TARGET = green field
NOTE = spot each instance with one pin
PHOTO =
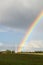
(21, 59)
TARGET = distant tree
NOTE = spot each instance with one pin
(38, 51)
(13, 52)
(1, 52)
(8, 52)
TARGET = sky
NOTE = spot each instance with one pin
(16, 17)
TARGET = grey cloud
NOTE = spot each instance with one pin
(19, 13)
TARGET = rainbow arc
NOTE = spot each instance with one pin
(29, 32)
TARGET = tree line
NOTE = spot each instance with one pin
(13, 52)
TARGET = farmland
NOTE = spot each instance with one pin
(21, 59)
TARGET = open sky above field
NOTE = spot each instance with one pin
(16, 17)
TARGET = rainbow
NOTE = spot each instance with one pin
(37, 20)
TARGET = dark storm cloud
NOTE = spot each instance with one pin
(19, 13)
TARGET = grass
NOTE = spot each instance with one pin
(21, 59)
